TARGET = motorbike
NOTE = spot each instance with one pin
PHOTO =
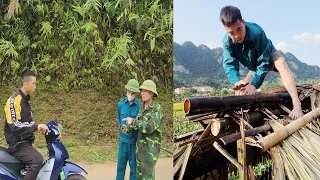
(55, 166)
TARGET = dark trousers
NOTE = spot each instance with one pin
(29, 156)
(127, 152)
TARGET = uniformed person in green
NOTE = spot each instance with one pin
(128, 107)
(149, 125)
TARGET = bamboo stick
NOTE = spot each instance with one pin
(251, 173)
(178, 165)
(235, 136)
(271, 114)
(228, 156)
(277, 163)
(199, 116)
(185, 162)
(180, 151)
(242, 152)
(274, 138)
(194, 106)
(203, 135)
(220, 125)
(203, 118)
(237, 119)
(187, 135)
(287, 110)
(188, 142)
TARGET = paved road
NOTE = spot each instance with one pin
(108, 170)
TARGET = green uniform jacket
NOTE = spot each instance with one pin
(149, 125)
(254, 54)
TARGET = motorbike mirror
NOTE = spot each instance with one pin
(47, 132)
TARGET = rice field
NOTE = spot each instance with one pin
(181, 124)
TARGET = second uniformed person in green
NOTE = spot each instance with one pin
(149, 125)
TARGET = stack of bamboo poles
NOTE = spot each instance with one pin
(298, 156)
(239, 121)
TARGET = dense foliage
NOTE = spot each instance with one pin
(73, 44)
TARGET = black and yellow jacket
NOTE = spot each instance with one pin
(19, 125)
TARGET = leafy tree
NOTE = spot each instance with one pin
(92, 43)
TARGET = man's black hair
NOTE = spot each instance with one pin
(229, 15)
(25, 75)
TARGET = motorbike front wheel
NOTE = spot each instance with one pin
(76, 177)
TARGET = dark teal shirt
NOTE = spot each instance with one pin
(253, 53)
(126, 110)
